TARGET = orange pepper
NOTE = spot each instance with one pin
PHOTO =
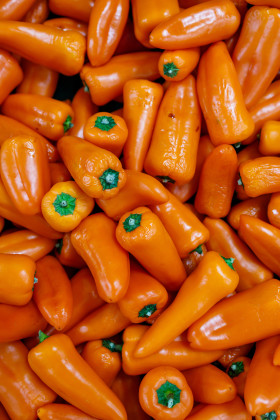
(186, 191)
(102, 323)
(276, 356)
(12, 128)
(11, 74)
(165, 394)
(59, 173)
(234, 410)
(272, 3)
(263, 239)
(53, 293)
(232, 41)
(27, 243)
(241, 5)
(67, 24)
(22, 392)
(145, 296)
(106, 25)
(270, 415)
(74, 381)
(262, 388)
(225, 241)
(230, 122)
(17, 322)
(60, 51)
(210, 385)
(270, 138)
(273, 210)
(238, 371)
(103, 356)
(76, 9)
(61, 412)
(25, 172)
(38, 12)
(97, 171)
(127, 389)
(198, 25)
(194, 258)
(16, 275)
(248, 316)
(83, 108)
(107, 131)
(3, 413)
(38, 80)
(257, 52)
(141, 102)
(103, 88)
(49, 117)
(94, 240)
(260, 176)
(178, 354)
(271, 92)
(141, 233)
(140, 190)
(217, 182)
(128, 42)
(11, 10)
(173, 150)
(65, 205)
(256, 207)
(66, 253)
(230, 354)
(213, 280)
(177, 65)
(147, 15)
(249, 152)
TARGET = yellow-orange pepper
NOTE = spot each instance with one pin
(176, 65)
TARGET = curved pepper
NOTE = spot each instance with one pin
(165, 394)
(97, 171)
(141, 233)
(230, 354)
(256, 207)
(194, 258)
(234, 409)
(61, 412)
(238, 370)
(177, 65)
(25, 172)
(38, 12)
(76, 9)
(173, 150)
(14, 10)
(198, 25)
(60, 51)
(217, 83)
(94, 239)
(273, 210)
(83, 109)
(49, 117)
(208, 284)
(67, 24)
(66, 253)
(141, 100)
(270, 138)
(59, 173)
(74, 381)
(11, 74)
(38, 80)
(103, 88)
(248, 316)
(261, 175)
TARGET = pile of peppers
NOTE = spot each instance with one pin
(139, 209)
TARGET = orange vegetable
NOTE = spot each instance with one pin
(270, 138)
(61, 412)
(234, 410)
(83, 108)
(176, 65)
(11, 74)
(38, 12)
(238, 370)
(59, 173)
(230, 354)
(256, 207)
(11, 10)
(194, 258)
(273, 210)
(66, 253)
(38, 80)
(67, 24)
(260, 176)
(77, 9)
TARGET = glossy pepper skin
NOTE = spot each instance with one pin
(230, 354)
(61, 412)
(257, 52)
(103, 88)
(65, 205)
(94, 239)
(11, 74)
(217, 182)
(106, 25)
(66, 253)
(145, 296)
(261, 394)
(16, 275)
(224, 240)
(238, 370)
(37, 80)
(49, 117)
(67, 24)
(76, 9)
(194, 258)
(147, 15)
(246, 317)
(234, 410)
(21, 391)
(174, 144)
(141, 99)
(107, 131)
(263, 239)
(83, 108)
(176, 65)
(141, 233)
(75, 381)
(178, 354)
(11, 10)
(165, 394)
(26, 242)
(273, 210)
(97, 171)
(256, 207)
(210, 385)
(25, 172)
(60, 51)
(103, 356)
(140, 190)
(198, 25)
(261, 175)
(59, 173)
(229, 122)
(212, 280)
(38, 12)
(270, 138)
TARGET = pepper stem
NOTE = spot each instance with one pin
(147, 311)
(67, 124)
(105, 123)
(109, 179)
(132, 222)
(42, 336)
(168, 394)
(64, 204)
(269, 416)
(229, 261)
(166, 179)
(198, 249)
(170, 70)
(240, 182)
(59, 245)
(113, 347)
(235, 369)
